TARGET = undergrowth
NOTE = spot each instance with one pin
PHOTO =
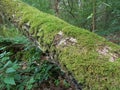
(21, 67)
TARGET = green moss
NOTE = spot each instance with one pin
(82, 59)
(92, 72)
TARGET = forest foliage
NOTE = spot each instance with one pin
(22, 61)
(99, 16)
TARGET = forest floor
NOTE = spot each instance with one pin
(57, 81)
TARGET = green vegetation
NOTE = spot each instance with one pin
(104, 14)
(93, 61)
(21, 67)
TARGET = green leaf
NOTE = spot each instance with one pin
(9, 80)
(2, 48)
(57, 82)
(107, 4)
(7, 64)
(32, 80)
(10, 70)
(5, 58)
(15, 66)
(29, 87)
(17, 77)
(21, 88)
(90, 16)
(3, 54)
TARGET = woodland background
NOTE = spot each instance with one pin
(98, 16)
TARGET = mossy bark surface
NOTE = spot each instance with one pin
(93, 61)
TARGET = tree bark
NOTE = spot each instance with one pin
(56, 7)
(1, 18)
(94, 16)
(84, 55)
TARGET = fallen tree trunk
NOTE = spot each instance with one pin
(93, 61)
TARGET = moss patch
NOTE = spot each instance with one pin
(82, 59)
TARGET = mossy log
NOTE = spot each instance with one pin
(93, 61)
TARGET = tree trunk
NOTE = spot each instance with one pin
(93, 61)
(94, 16)
(56, 8)
(1, 18)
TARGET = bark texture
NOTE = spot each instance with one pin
(93, 61)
